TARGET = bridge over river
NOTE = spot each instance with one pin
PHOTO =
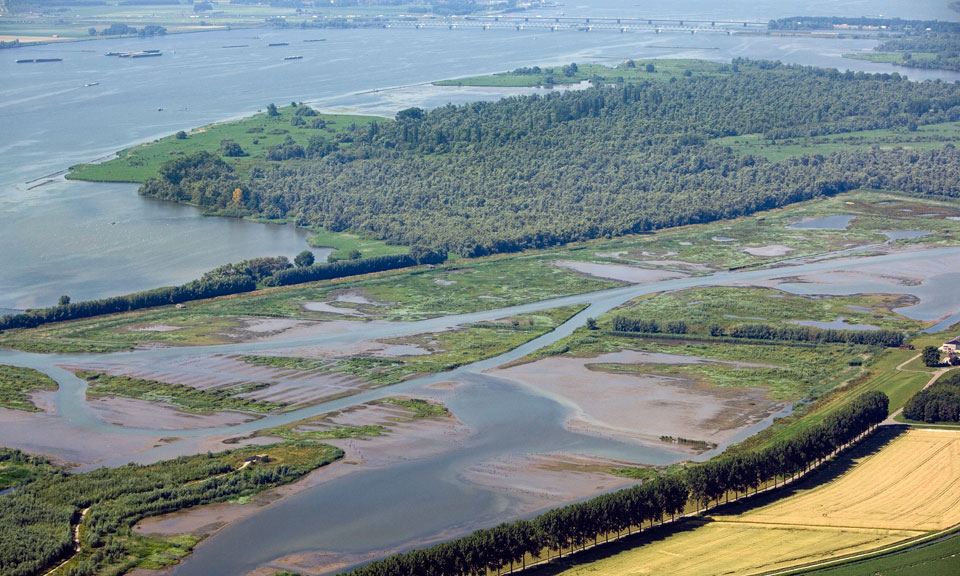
(568, 23)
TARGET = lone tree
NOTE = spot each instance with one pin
(272, 110)
(304, 259)
(592, 324)
(931, 356)
(181, 135)
(231, 149)
(64, 300)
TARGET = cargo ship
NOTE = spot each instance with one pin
(138, 54)
(279, 44)
(293, 58)
(38, 60)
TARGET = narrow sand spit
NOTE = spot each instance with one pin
(642, 407)
(546, 477)
(621, 272)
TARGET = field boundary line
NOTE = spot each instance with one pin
(889, 550)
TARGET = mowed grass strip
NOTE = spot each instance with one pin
(906, 488)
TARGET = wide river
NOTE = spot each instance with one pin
(93, 240)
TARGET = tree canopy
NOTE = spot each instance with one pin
(536, 171)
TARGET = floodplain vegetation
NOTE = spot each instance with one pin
(504, 280)
(322, 427)
(929, 44)
(186, 398)
(81, 524)
(444, 351)
(17, 383)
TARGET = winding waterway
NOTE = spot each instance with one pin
(95, 240)
(398, 506)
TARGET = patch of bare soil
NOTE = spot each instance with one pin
(769, 250)
(642, 407)
(547, 477)
(621, 272)
(158, 416)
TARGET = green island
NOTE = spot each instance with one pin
(511, 279)
(17, 383)
(86, 519)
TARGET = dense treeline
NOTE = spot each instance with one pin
(36, 529)
(938, 403)
(221, 281)
(535, 171)
(627, 324)
(578, 524)
(890, 338)
(342, 268)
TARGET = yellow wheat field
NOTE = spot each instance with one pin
(913, 483)
(739, 548)
(909, 487)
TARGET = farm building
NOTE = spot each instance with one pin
(950, 346)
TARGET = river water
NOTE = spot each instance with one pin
(95, 240)
(384, 508)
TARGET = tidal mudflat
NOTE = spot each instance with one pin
(643, 407)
